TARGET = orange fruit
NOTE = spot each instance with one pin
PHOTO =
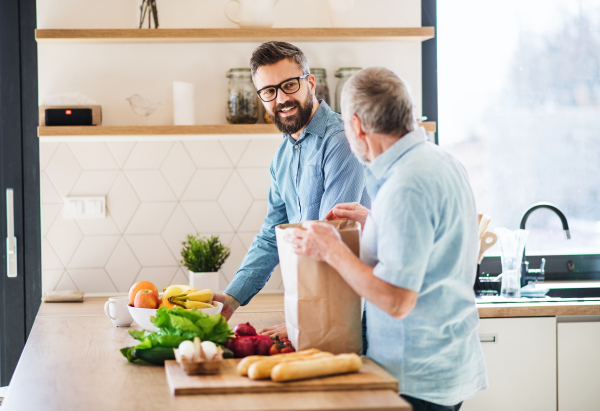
(167, 304)
(141, 285)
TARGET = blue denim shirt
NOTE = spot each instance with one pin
(421, 234)
(308, 178)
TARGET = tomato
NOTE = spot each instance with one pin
(273, 350)
(287, 350)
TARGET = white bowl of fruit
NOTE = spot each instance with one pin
(144, 301)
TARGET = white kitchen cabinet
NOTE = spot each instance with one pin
(578, 366)
(520, 356)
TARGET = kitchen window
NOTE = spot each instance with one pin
(519, 106)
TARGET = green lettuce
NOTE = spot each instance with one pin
(176, 325)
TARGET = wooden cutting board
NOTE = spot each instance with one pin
(228, 381)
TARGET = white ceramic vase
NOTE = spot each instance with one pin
(203, 281)
(341, 13)
(253, 13)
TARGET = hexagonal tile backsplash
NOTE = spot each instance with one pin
(156, 193)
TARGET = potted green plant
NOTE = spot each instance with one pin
(203, 257)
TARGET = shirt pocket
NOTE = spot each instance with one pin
(311, 190)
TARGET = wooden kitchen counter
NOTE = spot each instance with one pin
(72, 362)
(265, 303)
(95, 306)
(535, 309)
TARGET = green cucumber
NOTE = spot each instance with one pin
(227, 353)
(155, 355)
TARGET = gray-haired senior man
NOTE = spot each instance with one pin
(312, 171)
(418, 248)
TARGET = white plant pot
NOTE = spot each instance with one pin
(202, 281)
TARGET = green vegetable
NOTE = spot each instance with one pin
(192, 323)
(203, 255)
(227, 353)
(155, 355)
(176, 325)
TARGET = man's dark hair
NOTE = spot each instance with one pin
(272, 52)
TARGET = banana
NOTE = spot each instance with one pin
(194, 304)
(204, 296)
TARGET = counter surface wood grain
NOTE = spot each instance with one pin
(72, 361)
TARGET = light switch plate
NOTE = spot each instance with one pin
(85, 207)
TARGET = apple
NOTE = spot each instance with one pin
(146, 299)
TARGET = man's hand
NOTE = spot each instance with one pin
(348, 211)
(274, 331)
(230, 304)
(317, 240)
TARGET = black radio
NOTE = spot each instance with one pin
(68, 117)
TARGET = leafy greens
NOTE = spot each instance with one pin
(176, 325)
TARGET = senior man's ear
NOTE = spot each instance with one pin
(357, 128)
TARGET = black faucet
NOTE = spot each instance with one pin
(528, 275)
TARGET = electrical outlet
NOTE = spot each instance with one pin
(85, 207)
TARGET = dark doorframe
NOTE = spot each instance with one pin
(429, 78)
(19, 169)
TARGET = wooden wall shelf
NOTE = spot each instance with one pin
(220, 129)
(57, 36)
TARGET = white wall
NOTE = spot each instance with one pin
(109, 73)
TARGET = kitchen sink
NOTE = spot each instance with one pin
(559, 292)
(574, 293)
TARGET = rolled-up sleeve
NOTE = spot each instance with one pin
(405, 237)
(262, 257)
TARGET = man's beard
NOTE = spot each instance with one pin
(359, 148)
(292, 124)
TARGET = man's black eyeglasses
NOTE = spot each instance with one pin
(289, 86)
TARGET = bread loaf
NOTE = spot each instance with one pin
(299, 370)
(262, 369)
(242, 367)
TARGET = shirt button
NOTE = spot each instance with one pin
(296, 146)
(298, 208)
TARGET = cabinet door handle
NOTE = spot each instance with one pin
(11, 240)
(488, 338)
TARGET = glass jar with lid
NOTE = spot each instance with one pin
(343, 74)
(322, 89)
(242, 101)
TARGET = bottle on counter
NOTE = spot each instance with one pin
(343, 74)
(242, 101)
(322, 89)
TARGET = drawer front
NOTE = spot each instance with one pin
(520, 356)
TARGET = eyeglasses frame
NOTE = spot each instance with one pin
(278, 87)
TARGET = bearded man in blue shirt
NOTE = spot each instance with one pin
(418, 249)
(312, 171)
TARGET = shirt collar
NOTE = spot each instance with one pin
(317, 124)
(385, 160)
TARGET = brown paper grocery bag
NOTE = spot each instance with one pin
(321, 310)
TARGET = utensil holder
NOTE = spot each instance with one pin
(486, 286)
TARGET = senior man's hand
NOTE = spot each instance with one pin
(348, 211)
(230, 304)
(317, 240)
(279, 330)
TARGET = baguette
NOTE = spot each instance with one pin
(262, 369)
(242, 367)
(299, 370)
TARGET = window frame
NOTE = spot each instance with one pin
(585, 267)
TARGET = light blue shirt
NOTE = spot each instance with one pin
(421, 234)
(308, 178)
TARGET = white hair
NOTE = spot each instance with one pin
(381, 100)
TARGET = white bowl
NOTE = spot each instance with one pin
(142, 315)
